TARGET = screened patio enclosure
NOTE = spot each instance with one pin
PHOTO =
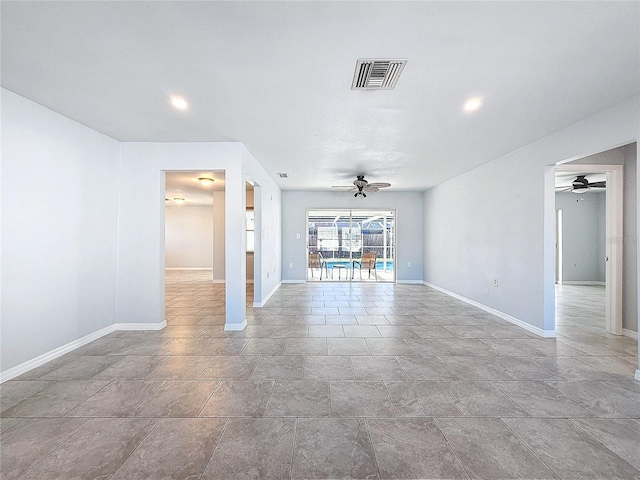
(351, 245)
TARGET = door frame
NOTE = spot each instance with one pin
(613, 238)
(559, 246)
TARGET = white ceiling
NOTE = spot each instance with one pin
(186, 185)
(277, 76)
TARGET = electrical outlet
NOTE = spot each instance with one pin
(409, 264)
(291, 265)
(297, 235)
(495, 281)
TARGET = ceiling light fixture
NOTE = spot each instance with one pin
(179, 103)
(206, 181)
(472, 104)
(178, 199)
(580, 189)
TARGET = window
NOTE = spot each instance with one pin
(251, 226)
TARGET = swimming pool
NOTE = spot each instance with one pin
(347, 264)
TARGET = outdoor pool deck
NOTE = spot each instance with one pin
(339, 270)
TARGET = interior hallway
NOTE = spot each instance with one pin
(329, 380)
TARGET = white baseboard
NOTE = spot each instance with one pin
(294, 281)
(69, 347)
(217, 280)
(55, 353)
(629, 333)
(497, 313)
(583, 282)
(235, 327)
(269, 295)
(411, 282)
(188, 268)
(141, 326)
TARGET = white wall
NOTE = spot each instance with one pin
(141, 263)
(583, 221)
(141, 224)
(59, 230)
(409, 227)
(188, 236)
(484, 224)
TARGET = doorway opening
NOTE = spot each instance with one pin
(351, 245)
(588, 201)
(194, 248)
(252, 225)
(250, 222)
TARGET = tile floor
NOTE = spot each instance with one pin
(332, 381)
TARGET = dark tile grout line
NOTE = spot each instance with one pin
(224, 429)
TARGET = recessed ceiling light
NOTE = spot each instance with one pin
(179, 102)
(178, 200)
(206, 181)
(472, 104)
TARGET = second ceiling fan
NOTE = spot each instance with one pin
(582, 184)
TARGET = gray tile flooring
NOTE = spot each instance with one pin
(332, 380)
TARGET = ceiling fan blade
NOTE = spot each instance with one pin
(343, 186)
(380, 185)
(370, 188)
(598, 185)
(564, 189)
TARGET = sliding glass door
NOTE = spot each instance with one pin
(345, 245)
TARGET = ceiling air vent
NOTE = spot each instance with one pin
(377, 74)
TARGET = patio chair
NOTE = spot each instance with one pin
(368, 261)
(317, 261)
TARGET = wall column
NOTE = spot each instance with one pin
(235, 250)
(218, 243)
(549, 252)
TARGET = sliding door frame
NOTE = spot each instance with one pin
(349, 212)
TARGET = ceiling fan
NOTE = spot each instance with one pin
(581, 184)
(362, 186)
